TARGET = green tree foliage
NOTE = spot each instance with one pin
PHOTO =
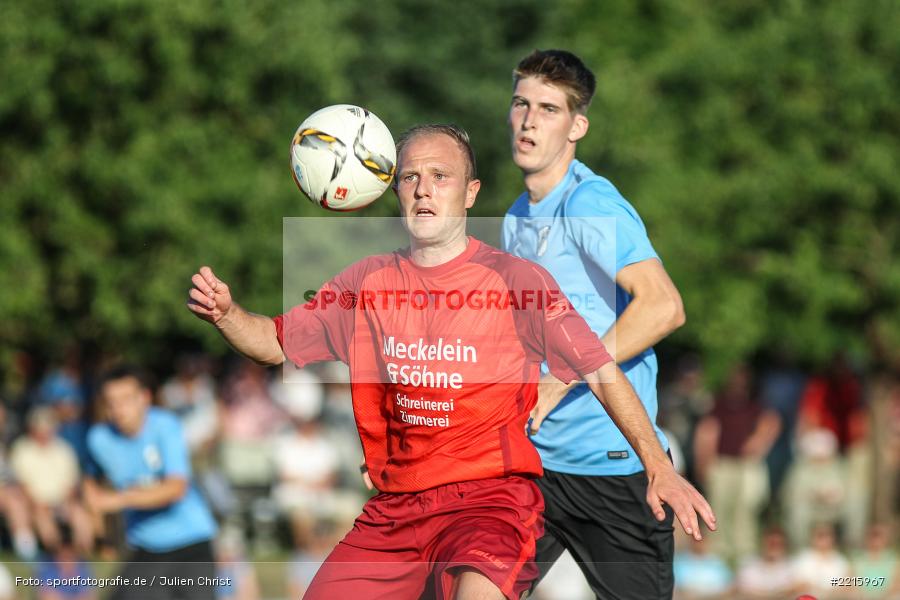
(759, 140)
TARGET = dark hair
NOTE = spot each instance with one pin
(562, 69)
(124, 372)
(455, 132)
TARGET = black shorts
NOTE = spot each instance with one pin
(608, 528)
(183, 574)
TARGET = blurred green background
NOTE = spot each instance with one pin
(760, 141)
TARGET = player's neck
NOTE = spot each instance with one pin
(434, 255)
(540, 183)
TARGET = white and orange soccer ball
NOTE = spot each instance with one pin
(343, 157)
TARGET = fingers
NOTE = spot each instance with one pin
(706, 511)
(202, 299)
(688, 519)
(656, 506)
(200, 283)
(211, 280)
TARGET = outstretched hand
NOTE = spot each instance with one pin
(671, 488)
(209, 298)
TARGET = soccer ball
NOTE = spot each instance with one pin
(343, 157)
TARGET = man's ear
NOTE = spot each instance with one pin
(472, 191)
(579, 128)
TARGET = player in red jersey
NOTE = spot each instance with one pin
(444, 342)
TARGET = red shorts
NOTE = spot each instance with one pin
(407, 546)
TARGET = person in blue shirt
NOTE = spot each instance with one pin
(142, 454)
(613, 512)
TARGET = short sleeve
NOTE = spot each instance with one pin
(606, 228)
(321, 328)
(551, 328)
(173, 447)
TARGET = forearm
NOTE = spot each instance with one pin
(643, 324)
(614, 391)
(155, 495)
(252, 335)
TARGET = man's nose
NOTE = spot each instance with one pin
(423, 188)
(528, 120)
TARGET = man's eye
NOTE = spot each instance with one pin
(440, 176)
(409, 178)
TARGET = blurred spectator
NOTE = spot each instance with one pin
(46, 469)
(66, 564)
(731, 445)
(781, 390)
(834, 401)
(249, 420)
(815, 490)
(13, 504)
(768, 576)
(701, 574)
(191, 395)
(142, 455)
(308, 467)
(681, 405)
(815, 567)
(63, 389)
(299, 392)
(232, 566)
(878, 560)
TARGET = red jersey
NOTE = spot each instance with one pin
(444, 361)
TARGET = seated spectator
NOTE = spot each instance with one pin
(701, 574)
(815, 488)
(66, 564)
(13, 504)
(878, 561)
(768, 576)
(308, 467)
(816, 566)
(46, 469)
(249, 420)
(191, 395)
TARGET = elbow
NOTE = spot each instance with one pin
(678, 318)
(179, 489)
(674, 317)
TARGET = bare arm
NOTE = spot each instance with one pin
(614, 391)
(654, 312)
(156, 495)
(250, 334)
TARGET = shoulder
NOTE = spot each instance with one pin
(513, 269)
(160, 419)
(99, 435)
(598, 197)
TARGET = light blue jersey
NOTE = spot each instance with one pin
(584, 232)
(156, 452)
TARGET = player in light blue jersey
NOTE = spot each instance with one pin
(142, 455)
(607, 503)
